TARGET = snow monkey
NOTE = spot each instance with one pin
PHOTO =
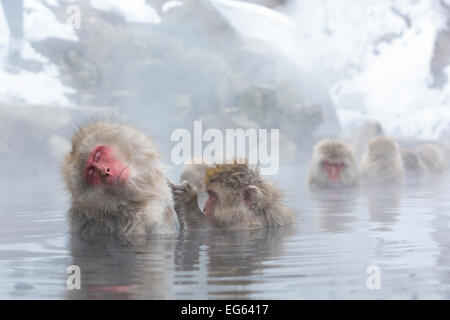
(382, 162)
(333, 165)
(117, 182)
(433, 157)
(238, 198)
(415, 169)
(191, 193)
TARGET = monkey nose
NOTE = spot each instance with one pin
(103, 171)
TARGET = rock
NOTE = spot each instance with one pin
(191, 66)
(257, 103)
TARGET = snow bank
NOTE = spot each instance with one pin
(375, 57)
(131, 10)
(43, 87)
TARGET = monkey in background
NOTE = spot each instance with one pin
(333, 165)
(238, 198)
(415, 169)
(382, 162)
(117, 182)
(433, 157)
(363, 136)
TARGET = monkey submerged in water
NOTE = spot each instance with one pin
(433, 157)
(117, 182)
(382, 162)
(190, 193)
(333, 165)
(238, 198)
(415, 169)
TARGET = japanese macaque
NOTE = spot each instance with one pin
(333, 165)
(382, 162)
(117, 182)
(433, 157)
(415, 169)
(238, 198)
(191, 193)
(364, 135)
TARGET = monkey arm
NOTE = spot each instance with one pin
(186, 207)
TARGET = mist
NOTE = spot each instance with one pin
(305, 70)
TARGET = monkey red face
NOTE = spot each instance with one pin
(333, 170)
(208, 209)
(103, 168)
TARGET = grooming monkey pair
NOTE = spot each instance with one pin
(118, 185)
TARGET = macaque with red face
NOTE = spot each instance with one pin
(382, 162)
(238, 198)
(117, 182)
(333, 165)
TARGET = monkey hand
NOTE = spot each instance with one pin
(184, 195)
(189, 214)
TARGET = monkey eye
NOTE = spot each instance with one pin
(212, 194)
(97, 155)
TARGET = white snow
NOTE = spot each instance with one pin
(43, 87)
(374, 56)
(394, 85)
(40, 23)
(131, 10)
(262, 24)
(374, 79)
(169, 5)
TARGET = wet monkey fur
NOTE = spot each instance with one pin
(117, 182)
(333, 165)
(238, 198)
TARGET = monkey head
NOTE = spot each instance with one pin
(411, 160)
(235, 195)
(382, 147)
(110, 165)
(333, 164)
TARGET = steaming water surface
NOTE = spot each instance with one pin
(339, 234)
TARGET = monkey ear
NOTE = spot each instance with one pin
(249, 194)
